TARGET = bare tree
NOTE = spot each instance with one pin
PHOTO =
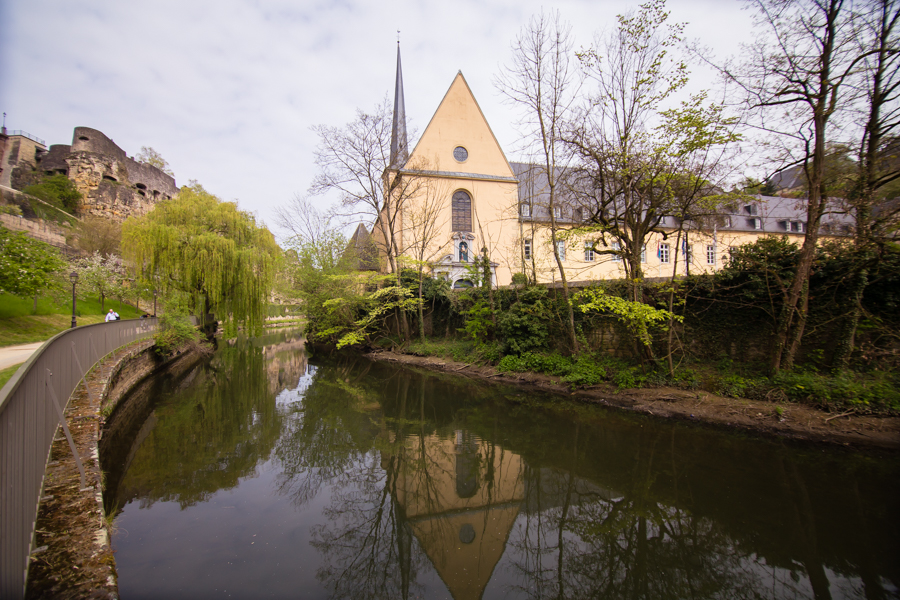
(795, 80)
(424, 224)
(877, 165)
(354, 161)
(543, 82)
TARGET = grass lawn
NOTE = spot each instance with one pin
(7, 373)
(19, 324)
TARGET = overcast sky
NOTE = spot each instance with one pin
(226, 90)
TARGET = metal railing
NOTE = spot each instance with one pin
(31, 405)
(33, 138)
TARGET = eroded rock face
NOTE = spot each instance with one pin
(105, 186)
(113, 185)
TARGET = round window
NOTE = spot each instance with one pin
(460, 153)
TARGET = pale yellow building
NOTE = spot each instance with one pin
(460, 197)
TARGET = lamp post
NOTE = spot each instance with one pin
(154, 301)
(73, 277)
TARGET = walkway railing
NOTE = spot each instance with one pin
(32, 404)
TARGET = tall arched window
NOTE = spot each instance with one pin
(463, 252)
(462, 211)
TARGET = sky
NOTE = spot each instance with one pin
(227, 90)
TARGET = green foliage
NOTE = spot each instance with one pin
(152, 157)
(377, 306)
(176, 332)
(519, 279)
(585, 372)
(27, 266)
(735, 386)
(879, 392)
(524, 325)
(198, 244)
(638, 317)
(478, 325)
(100, 275)
(57, 190)
(10, 209)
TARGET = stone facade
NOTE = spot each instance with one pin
(19, 158)
(112, 184)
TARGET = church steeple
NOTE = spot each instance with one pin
(399, 144)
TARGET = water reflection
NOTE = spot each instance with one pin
(360, 480)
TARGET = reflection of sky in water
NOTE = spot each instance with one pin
(357, 480)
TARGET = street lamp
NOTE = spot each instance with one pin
(73, 277)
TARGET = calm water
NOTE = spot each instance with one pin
(259, 474)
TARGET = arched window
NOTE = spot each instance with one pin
(462, 211)
(463, 252)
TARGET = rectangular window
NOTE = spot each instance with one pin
(561, 249)
(644, 253)
(756, 223)
(525, 210)
(526, 249)
(589, 251)
(710, 254)
(578, 215)
(557, 212)
(663, 252)
(797, 226)
(617, 247)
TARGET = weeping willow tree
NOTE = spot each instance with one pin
(199, 245)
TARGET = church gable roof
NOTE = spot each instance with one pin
(459, 123)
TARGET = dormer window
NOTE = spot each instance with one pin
(525, 210)
(751, 209)
(557, 212)
(796, 226)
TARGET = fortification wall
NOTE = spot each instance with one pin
(55, 160)
(113, 185)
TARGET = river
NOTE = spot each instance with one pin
(262, 473)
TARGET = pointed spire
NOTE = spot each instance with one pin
(399, 145)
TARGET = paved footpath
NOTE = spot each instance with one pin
(13, 355)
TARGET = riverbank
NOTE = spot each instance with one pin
(785, 420)
(73, 557)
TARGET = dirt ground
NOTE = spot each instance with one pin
(796, 421)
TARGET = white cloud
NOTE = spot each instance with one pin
(226, 91)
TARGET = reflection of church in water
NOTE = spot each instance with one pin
(461, 497)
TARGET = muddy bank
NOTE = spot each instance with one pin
(72, 556)
(796, 421)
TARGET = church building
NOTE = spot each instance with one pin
(456, 198)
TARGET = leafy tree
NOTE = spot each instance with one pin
(100, 275)
(27, 266)
(57, 190)
(197, 244)
(153, 158)
(98, 234)
(643, 161)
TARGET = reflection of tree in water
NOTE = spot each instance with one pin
(448, 499)
(208, 435)
(638, 539)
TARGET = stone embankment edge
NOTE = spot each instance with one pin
(797, 422)
(106, 383)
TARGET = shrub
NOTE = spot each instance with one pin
(843, 391)
(177, 332)
(585, 372)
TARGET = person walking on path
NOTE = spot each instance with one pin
(112, 316)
